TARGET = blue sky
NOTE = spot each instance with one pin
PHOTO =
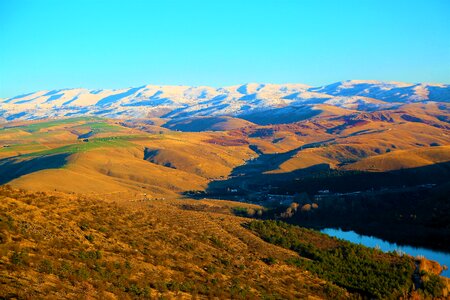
(113, 44)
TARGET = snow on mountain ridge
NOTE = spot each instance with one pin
(184, 101)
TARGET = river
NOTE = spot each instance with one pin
(442, 258)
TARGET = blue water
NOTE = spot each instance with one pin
(442, 258)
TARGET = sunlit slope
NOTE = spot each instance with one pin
(112, 157)
(102, 157)
(28, 137)
(210, 155)
(373, 143)
(62, 246)
(403, 159)
(343, 140)
(111, 170)
(154, 249)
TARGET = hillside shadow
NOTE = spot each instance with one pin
(254, 177)
(113, 98)
(265, 163)
(255, 174)
(281, 115)
(12, 168)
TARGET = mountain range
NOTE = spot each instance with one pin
(250, 102)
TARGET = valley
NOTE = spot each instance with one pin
(244, 150)
(204, 182)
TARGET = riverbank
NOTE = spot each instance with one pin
(443, 258)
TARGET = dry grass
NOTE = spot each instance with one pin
(403, 159)
(67, 247)
(181, 161)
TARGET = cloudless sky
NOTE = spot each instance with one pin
(115, 44)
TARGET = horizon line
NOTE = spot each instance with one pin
(374, 81)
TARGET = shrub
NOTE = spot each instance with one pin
(288, 213)
(84, 226)
(216, 241)
(89, 254)
(18, 258)
(240, 211)
(90, 238)
(433, 286)
(82, 273)
(306, 207)
(46, 266)
(65, 270)
(270, 260)
(137, 291)
(128, 265)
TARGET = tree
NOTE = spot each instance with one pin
(306, 208)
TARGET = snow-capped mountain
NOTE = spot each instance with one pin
(245, 100)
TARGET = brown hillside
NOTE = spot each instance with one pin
(68, 247)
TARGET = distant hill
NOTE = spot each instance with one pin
(116, 157)
(197, 124)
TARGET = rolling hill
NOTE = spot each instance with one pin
(167, 157)
(114, 174)
(68, 246)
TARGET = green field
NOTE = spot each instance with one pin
(23, 147)
(35, 139)
(98, 127)
(87, 146)
(40, 125)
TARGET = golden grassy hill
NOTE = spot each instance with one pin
(66, 247)
(403, 159)
(102, 157)
(344, 140)
(115, 158)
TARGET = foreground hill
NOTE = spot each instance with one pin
(67, 246)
